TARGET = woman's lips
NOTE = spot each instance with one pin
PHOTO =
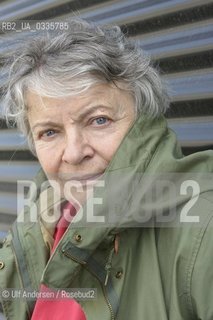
(83, 178)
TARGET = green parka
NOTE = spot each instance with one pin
(158, 205)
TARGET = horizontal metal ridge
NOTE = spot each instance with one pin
(179, 41)
(12, 140)
(11, 171)
(193, 132)
(190, 85)
(125, 12)
(8, 205)
(4, 227)
(18, 9)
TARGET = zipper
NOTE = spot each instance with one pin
(108, 266)
(102, 286)
(105, 293)
(107, 301)
(73, 258)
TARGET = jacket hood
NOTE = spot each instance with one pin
(148, 180)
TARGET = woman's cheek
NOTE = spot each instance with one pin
(46, 147)
(47, 155)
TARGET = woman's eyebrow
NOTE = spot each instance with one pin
(82, 115)
(44, 124)
(85, 113)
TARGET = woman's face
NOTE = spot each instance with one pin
(76, 137)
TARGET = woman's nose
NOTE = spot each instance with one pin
(76, 148)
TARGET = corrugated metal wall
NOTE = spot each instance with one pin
(179, 36)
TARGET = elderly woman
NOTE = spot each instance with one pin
(120, 213)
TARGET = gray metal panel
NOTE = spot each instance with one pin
(19, 9)
(177, 33)
(190, 85)
(186, 130)
(12, 140)
(181, 41)
(11, 171)
(125, 12)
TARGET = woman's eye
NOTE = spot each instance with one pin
(48, 133)
(100, 121)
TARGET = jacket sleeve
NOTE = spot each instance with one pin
(8, 271)
(10, 278)
(202, 277)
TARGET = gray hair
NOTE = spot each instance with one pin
(68, 63)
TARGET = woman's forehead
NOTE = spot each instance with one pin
(102, 98)
(103, 93)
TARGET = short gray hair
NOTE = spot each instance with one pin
(70, 62)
